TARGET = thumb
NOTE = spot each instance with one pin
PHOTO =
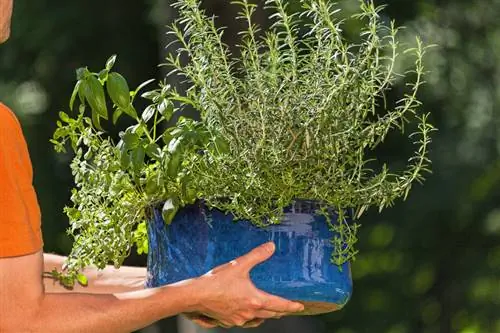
(256, 256)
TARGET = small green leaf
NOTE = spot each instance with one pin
(138, 129)
(130, 110)
(94, 94)
(67, 282)
(173, 164)
(166, 109)
(184, 100)
(64, 117)
(148, 113)
(88, 155)
(110, 62)
(103, 75)
(82, 73)
(153, 151)
(165, 89)
(167, 137)
(174, 145)
(60, 132)
(151, 95)
(152, 186)
(137, 156)
(96, 120)
(131, 140)
(73, 95)
(142, 85)
(189, 194)
(118, 90)
(124, 159)
(222, 146)
(82, 279)
(116, 115)
(169, 210)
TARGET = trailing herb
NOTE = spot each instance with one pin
(293, 116)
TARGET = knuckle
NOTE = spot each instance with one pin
(247, 316)
(256, 303)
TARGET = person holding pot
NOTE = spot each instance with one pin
(114, 300)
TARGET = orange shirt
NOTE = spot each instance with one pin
(20, 218)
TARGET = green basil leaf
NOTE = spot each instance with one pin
(167, 137)
(103, 75)
(82, 73)
(173, 164)
(137, 156)
(118, 90)
(110, 62)
(152, 186)
(73, 95)
(174, 145)
(82, 279)
(118, 112)
(131, 140)
(153, 151)
(124, 159)
(169, 210)
(94, 94)
(129, 110)
(96, 120)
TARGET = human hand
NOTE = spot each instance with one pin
(207, 322)
(229, 298)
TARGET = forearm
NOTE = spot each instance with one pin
(121, 312)
(109, 280)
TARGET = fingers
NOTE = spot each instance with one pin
(265, 314)
(256, 256)
(253, 323)
(220, 268)
(205, 323)
(202, 321)
(278, 304)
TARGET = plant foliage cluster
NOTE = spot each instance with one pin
(293, 116)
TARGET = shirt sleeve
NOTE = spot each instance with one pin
(20, 218)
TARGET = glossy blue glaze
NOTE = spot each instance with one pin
(200, 239)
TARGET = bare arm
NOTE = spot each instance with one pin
(108, 280)
(25, 307)
(225, 294)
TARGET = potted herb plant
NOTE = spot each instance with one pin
(280, 151)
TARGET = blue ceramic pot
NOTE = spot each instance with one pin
(200, 239)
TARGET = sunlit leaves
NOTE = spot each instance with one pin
(93, 92)
(297, 114)
(118, 90)
(294, 117)
(169, 209)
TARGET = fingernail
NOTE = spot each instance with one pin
(270, 246)
(298, 307)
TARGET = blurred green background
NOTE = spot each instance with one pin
(430, 264)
